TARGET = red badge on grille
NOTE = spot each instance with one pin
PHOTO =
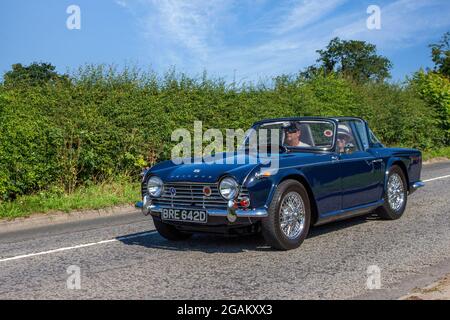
(207, 191)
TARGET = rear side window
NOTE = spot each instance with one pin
(354, 132)
(362, 133)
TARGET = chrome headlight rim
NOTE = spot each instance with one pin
(229, 183)
(155, 186)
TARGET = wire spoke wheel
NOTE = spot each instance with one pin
(395, 191)
(292, 215)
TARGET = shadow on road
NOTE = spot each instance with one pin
(202, 242)
(230, 244)
(339, 225)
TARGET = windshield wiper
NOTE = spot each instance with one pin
(281, 148)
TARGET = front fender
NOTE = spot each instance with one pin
(263, 189)
(403, 163)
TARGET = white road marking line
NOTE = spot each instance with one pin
(438, 178)
(78, 246)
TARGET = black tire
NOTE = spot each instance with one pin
(170, 232)
(271, 227)
(386, 211)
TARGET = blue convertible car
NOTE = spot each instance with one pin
(328, 169)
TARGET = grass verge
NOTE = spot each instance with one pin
(438, 153)
(107, 194)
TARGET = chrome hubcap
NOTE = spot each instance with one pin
(395, 191)
(292, 215)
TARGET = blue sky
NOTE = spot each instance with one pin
(248, 39)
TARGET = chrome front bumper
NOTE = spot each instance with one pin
(416, 185)
(148, 208)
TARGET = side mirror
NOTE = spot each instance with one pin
(349, 148)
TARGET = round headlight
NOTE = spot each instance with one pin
(155, 186)
(229, 188)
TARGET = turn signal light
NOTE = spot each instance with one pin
(245, 202)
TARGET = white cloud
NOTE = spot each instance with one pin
(306, 12)
(121, 3)
(403, 23)
(183, 27)
(255, 38)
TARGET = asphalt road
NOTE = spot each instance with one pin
(123, 257)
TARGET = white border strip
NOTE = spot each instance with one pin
(77, 247)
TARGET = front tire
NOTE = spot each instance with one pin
(289, 218)
(170, 232)
(395, 196)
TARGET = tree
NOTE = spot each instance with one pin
(357, 60)
(440, 54)
(34, 74)
(434, 88)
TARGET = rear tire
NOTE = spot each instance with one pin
(395, 196)
(170, 232)
(290, 203)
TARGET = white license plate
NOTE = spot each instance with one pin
(187, 215)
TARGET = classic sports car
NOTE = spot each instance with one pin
(329, 169)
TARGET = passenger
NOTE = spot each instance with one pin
(344, 136)
(292, 136)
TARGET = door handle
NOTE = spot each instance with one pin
(334, 158)
(377, 160)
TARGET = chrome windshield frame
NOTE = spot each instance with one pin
(257, 125)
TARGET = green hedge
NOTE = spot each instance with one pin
(103, 124)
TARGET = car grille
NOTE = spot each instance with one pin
(190, 195)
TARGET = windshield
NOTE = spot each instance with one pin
(299, 134)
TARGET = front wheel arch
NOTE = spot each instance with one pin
(401, 164)
(312, 199)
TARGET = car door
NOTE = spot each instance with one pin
(361, 171)
(325, 182)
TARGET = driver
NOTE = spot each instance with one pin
(292, 135)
